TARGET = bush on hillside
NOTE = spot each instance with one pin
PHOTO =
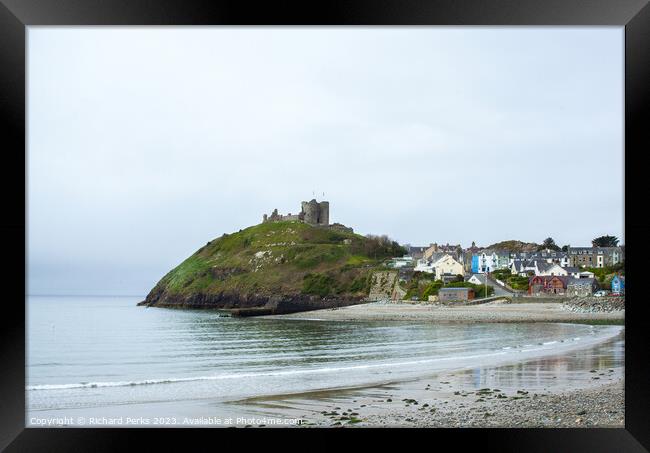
(379, 247)
(432, 289)
(318, 284)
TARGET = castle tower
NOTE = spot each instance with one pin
(324, 213)
(310, 211)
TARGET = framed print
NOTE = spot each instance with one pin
(325, 219)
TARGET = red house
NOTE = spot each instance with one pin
(547, 285)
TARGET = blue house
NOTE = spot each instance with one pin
(475, 264)
(618, 284)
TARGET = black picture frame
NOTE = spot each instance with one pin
(16, 15)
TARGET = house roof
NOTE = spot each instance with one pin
(546, 256)
(444, 257)
(455, 289)
(479, 277)
(581, 282)
(435, 256)
(571, 269)
(592, 250)
(545, 278)
(543, 266)
(521, 264)
(499, 252)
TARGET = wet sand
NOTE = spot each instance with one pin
(581, 389)
(490, 312)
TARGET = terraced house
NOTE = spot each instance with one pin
(445, 266)
(547, 255)
(489, 261)
(581, 286)
(595, 256)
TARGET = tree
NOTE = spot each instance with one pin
(565, 248)
(548, 243)
(605, 241)
(379, 247)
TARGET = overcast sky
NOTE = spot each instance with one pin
(145, 143)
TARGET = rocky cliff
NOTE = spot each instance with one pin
(383, 285)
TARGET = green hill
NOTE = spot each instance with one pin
(278, 265)
(514, 246)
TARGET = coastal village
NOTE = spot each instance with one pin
(451, 273)
(510, 282)
(456, 273)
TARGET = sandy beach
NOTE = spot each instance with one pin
(572, 391)
(560, 391)
(431, 405)
(496, 311)
(564, 385)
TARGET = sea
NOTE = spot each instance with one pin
(90, 352)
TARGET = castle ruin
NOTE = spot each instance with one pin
(312, 212)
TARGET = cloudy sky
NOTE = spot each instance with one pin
(145, 143)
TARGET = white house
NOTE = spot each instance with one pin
(424, 265)
(551, 256)
(477, 279)
(576, 272)
(405, 261)
(447, 265)
(490, 260)
(544, 268)
(522, 267)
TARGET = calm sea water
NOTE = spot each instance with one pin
(100, 351)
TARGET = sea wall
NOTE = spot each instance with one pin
(594, 304)
(520, 299)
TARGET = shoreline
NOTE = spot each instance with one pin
(578, 388)
(497, 311)
(565, 391)
(547, 390)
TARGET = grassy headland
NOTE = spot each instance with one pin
(276, 258)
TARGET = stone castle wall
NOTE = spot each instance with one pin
(312, 212)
